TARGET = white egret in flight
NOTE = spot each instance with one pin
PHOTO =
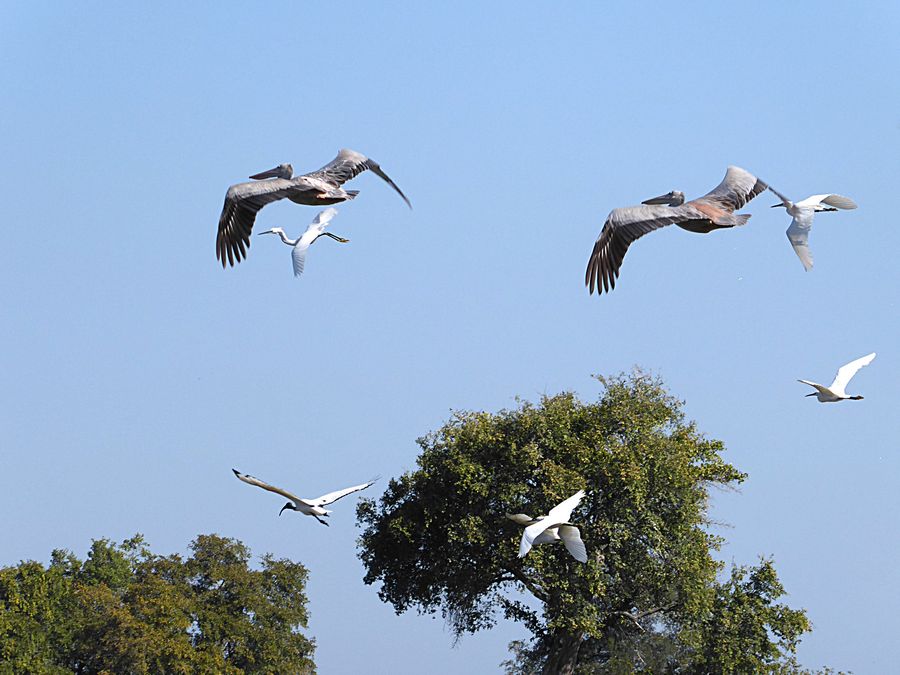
(553, 527)
(803, 213)
(317, 188)
(835, 391)
(315, 230)
(309, 507)
(712, 211)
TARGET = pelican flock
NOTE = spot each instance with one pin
(308, 507)
(835, 391)
(317, 188)
(315, 230)
(552, 528)
(803, 213)
(713, 211)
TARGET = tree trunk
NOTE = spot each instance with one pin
(563, 654)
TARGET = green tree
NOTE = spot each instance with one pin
(127, 610)
(437, 540)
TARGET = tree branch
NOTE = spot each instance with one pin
(527, 583)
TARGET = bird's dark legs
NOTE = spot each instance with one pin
(320, 520)
(335, 237)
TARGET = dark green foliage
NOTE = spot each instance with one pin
(127, 610)
(438, 541)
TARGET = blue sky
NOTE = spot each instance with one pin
(136, 372)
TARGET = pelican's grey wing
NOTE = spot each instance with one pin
(349, 164)
(847, 371)
(622, 227)
(798, 235)
(337, 494)
(250, 480)
(242, 202)
(571, 538)
(736, 189)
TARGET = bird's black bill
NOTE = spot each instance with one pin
(775, 206)
(808, 395)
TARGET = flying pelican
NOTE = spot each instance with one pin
(553, 527)
(803, 213)
(318, 188)
(309, 507)
(835, 391)
(712, 211)
(315, 230)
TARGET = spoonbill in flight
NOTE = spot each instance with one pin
(553, 527)
(835, 391)
(309, 507)
(315, 230)
(803, 213)
(712, 211)
(317, 188)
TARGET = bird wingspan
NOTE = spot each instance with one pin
(242, 202)
(324, 500)
(622, 227)
(349, 164)
(736, 189)
(798, 235)
(847, 371)
(251, 480)
(571, 538)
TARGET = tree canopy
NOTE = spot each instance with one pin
(438, 541)
(127, 610)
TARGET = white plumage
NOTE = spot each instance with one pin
(803, 213)
(553, 527)
(315, 230)
(836, 391)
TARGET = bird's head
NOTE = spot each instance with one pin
(274, 230)
(287, 506)
(671, 198)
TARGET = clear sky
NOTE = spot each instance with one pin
(136, 372)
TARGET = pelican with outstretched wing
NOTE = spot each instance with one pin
(713, 211)
(318, 188)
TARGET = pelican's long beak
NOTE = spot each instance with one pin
(662, 199)
(271, 173)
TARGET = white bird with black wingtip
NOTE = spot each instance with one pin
(836, 390)
(315, 230)
(309, 507)
(553, 527)
(803, 213)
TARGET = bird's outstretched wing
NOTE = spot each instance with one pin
(324, 500)
(846, 372)
(571, 538)
(833, 200)
(736, 189)
(298, 258)
(818, 387)
(242, 202)
(622, 227)
(250, 480)
(520, 518)
(349, 164)
(798, 235)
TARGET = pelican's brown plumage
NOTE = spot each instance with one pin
(712, 211)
